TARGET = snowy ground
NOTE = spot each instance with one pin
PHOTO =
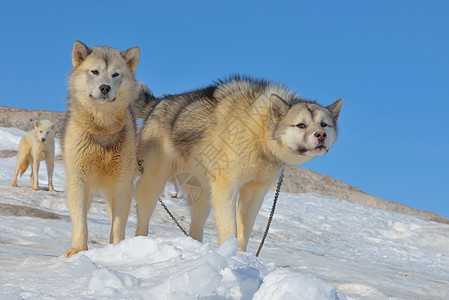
(318, 248)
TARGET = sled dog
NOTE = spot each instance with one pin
(36, 146)
(99, 140)
(234, 136)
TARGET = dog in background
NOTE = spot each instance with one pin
(36, 146)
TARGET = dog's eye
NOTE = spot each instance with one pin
(301, 125)
(323, 124)
(115, 74)
(95, 72)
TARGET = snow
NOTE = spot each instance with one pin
(299, 285)
(10, 138)
(318, 248)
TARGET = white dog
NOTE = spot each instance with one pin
(36, 146)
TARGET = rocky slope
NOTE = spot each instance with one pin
(24, 119)
(301, 180)
(296, 180)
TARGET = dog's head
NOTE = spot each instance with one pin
(302, 130)
(102, 74)
(43, 130)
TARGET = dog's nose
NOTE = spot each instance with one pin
(43, 140)
(105, 89)
(320, 134)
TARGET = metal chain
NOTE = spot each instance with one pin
(173, 217)
(276, 196)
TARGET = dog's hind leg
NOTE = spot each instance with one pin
(21, 159)
(199, 211)
(149, 187)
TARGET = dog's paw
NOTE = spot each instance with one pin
(14, 184)
(73, 251)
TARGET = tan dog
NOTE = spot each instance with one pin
(99, 140)
(36, 146)
(234, 137)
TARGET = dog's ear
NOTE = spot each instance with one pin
(79, 53)
(335, 109)
(131, 57)
(52, 126)
(279, 107)
(36, 123)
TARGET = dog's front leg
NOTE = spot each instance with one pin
(250, 200)
(224, 197)
(35, 174)
(78, 199)
(120, 201)
(50, 166)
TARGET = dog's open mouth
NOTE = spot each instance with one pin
(320, 148)
(101, 99)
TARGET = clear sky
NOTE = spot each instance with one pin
(388, 59)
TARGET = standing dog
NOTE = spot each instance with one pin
(234, 136)
(37, 145)
(99, 140)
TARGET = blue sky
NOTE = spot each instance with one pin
(389, 60)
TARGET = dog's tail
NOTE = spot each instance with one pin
(24, 167)
(144, 102)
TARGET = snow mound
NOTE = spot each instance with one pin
(291, 284)
(179, 268)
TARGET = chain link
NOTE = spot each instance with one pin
(173, 217)
(276, 196)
